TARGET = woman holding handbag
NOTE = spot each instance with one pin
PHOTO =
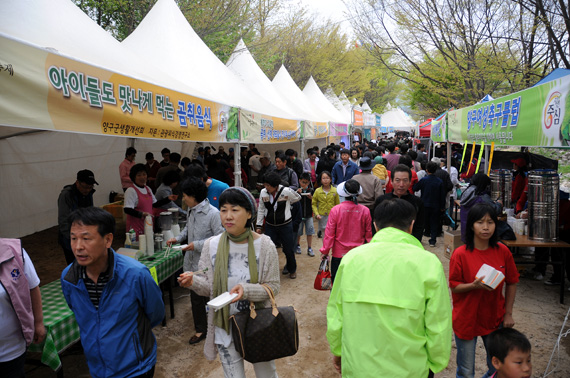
(239, 261)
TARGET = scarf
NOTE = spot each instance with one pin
(222, 316)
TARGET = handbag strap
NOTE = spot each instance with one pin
(274, 311)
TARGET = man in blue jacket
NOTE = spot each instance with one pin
(114, 298)
(344, 169)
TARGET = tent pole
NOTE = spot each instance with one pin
(237, 156)
(448, 163)
(237, 164)
(487, 149)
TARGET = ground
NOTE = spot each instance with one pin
(537, 314)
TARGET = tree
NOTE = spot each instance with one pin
(454, 52)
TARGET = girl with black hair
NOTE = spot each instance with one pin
(478, 310)
(477, 192)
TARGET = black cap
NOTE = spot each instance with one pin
(87, 177)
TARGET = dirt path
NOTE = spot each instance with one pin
(537, 313)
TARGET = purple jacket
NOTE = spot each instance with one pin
(16, 284)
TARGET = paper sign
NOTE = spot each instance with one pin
(153, 274)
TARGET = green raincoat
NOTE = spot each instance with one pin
(389, 313)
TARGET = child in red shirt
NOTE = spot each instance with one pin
(477, 309)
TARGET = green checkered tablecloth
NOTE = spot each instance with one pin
(165, 265)
(59, 320)
(61, 327)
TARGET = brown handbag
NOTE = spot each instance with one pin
(265, 334)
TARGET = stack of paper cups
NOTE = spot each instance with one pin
(142, 244)
(175, 229)
(149, 235)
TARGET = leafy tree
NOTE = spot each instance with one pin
(454, 52)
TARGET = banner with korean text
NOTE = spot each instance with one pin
(537, 116)
(47, 91)
(258, 128)
(338, 129)
(357, 117)
(314, 130)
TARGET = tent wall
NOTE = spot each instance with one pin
(35, 167)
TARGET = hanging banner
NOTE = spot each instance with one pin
(369, 120)
(373, 133)
(46, 91)
(358, 119)
(338, 129)
(439, 130)
(314, 130)
(258, 128)
(537, 116)
(367, 134)
(378, 120)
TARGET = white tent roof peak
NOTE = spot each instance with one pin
(313, 91)
(284, 84)
(366, 107)
(61, 27)
(242, 64)
(165, 38)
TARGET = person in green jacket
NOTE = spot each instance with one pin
(389, 313)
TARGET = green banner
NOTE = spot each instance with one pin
(537, 116)
(439, 130)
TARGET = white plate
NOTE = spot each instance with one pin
(222, 300)
(179, 247)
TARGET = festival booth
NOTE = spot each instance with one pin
(535, 117)
(52, 80)
(253, 130)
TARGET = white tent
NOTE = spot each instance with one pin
(365, 107)
(313, 91)
(284, 84)
(333, 98)
(397, 119)
(243, 65)
(165, 38)
(35, 164)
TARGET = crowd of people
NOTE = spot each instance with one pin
(389, 312)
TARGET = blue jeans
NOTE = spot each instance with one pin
(466, 357)
(284, 235)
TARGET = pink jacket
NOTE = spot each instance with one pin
(124, 170)
(16, 284)
(349, 226)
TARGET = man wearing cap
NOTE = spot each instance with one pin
(73, 197)
(370, 184)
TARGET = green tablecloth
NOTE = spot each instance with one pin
(59, 320)
(62, 330)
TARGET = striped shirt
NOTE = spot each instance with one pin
(95, 289)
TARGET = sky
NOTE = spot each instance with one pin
(333, 9)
